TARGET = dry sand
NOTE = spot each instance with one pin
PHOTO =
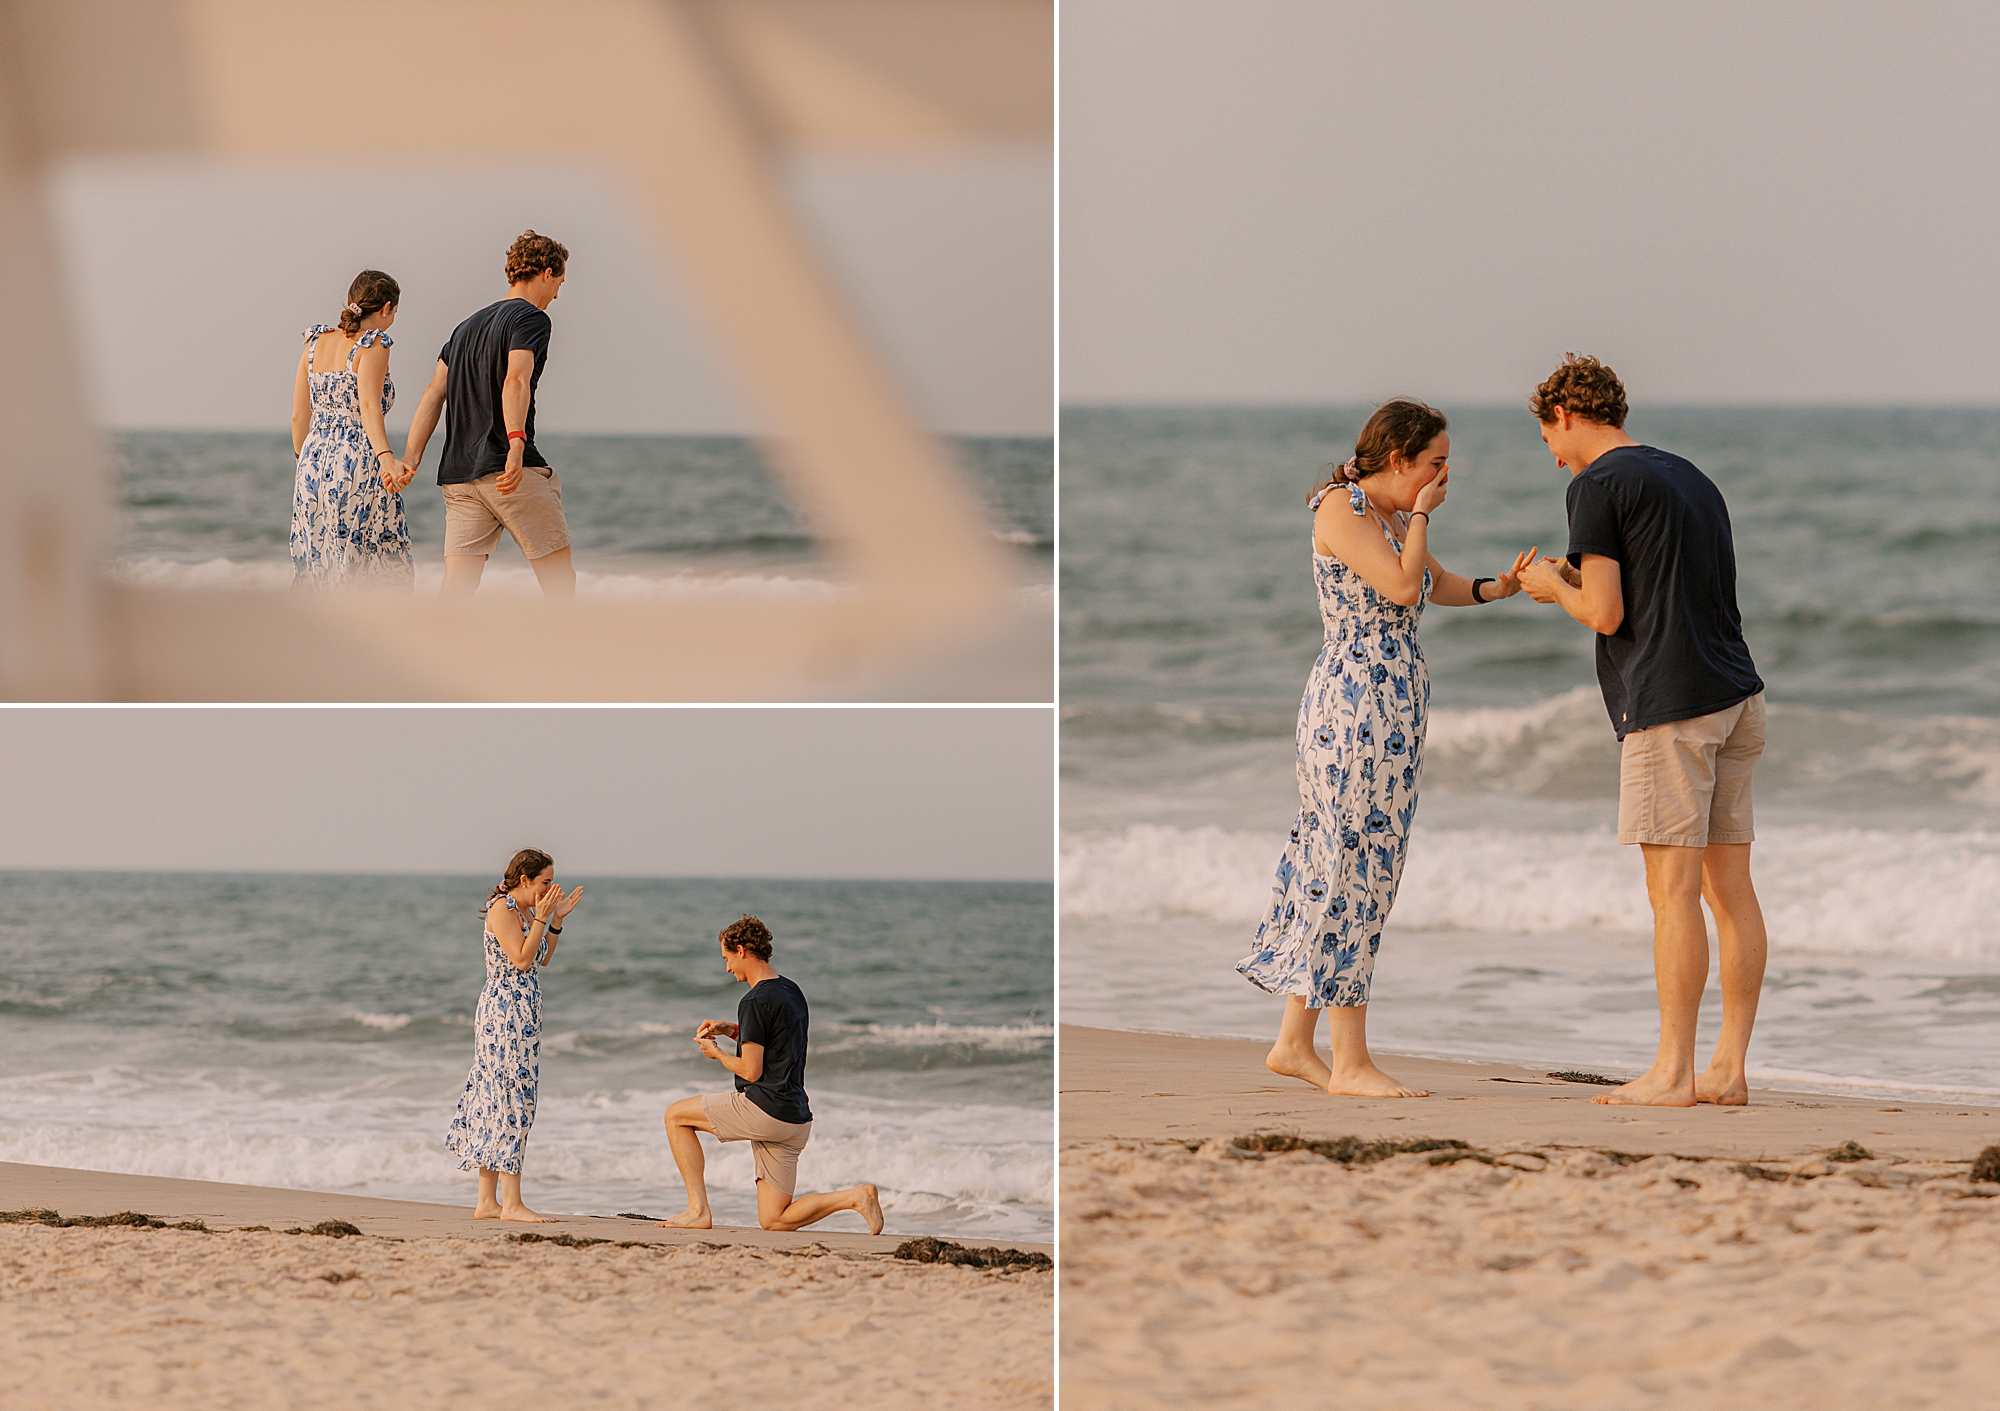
(1747, 1270)
(429, 1308)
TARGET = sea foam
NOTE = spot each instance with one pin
(1839, 890)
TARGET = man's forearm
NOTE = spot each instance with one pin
(421, 426)
(514, 403)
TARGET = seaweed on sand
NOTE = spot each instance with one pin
(1572, 1075)
(928, 1249)
(1986, 1166)
(133, 1218)
(566, 1241)
(1353, 1151)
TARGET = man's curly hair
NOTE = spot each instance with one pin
(748, 934)
(531, 254)
(1583, 387)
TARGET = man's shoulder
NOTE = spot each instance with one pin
(476, 319)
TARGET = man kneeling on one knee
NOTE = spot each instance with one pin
(768, 1107)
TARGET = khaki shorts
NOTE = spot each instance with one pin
(774, 1145)
(1687, 783)
(475, 513)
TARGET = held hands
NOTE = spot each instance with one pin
(1509, 582)
(395, 474)
(1539, 579)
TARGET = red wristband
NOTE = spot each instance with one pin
(517, 436)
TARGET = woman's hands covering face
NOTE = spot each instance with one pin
(1432, 495)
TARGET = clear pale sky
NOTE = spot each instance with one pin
(192, 281)
(1293, 201)
(721, 793)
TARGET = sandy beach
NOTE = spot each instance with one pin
(427, 1307)
(1566, 1255)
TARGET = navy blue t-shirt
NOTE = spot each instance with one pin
(1679, 653)
(475, 429)
(774, 1014)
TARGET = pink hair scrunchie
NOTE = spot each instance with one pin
(354, 308)
(1344, 472)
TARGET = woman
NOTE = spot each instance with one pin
(1360, 743)
(524, 917)
(347, 506)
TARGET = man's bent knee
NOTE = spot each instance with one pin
(688, 1112)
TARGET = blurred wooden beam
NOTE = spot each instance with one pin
(681, 101)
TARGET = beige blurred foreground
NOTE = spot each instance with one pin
(686, 102)
(173, 1318)
(1571, 1258)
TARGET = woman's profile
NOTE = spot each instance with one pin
(524, 917)
(1360, 739)
(347, 505)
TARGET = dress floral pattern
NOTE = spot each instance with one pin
(1360, 750)
(347, 527)
(497, 1107)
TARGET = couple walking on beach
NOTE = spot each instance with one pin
(1651, 569)
(348, 525)
(767, 1107)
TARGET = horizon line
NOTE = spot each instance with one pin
(1191, 404)
(582, 876)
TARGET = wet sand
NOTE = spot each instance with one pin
(1570, 1255)
(429, 1307)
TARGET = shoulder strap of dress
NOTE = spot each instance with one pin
(312, 340)
(1357, 498)
(364, 341)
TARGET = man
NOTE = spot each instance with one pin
(768, 1109)
(1651, 569)
(493, 476)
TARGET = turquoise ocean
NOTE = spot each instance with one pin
(1868, 549)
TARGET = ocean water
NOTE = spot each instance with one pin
(647, 514)
(1868, 547)
(314, 1032)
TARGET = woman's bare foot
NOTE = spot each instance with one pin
(524, 1215)
(1369, 1082)
(687, 1220)
(1722, 1089)
(1290, 1061)
(871, 1209)
(1651, 1089)
(485, 1211)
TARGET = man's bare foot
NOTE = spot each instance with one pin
(1289, 1061)
(524, 1215)
(687, 1220)
(1369, 1082)
(1650, 1090)
(871, 1209)
(1722, 1089)
(486, 1212)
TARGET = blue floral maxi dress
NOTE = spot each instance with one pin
(347, 526)
(497, 1107)
(1360, 743)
